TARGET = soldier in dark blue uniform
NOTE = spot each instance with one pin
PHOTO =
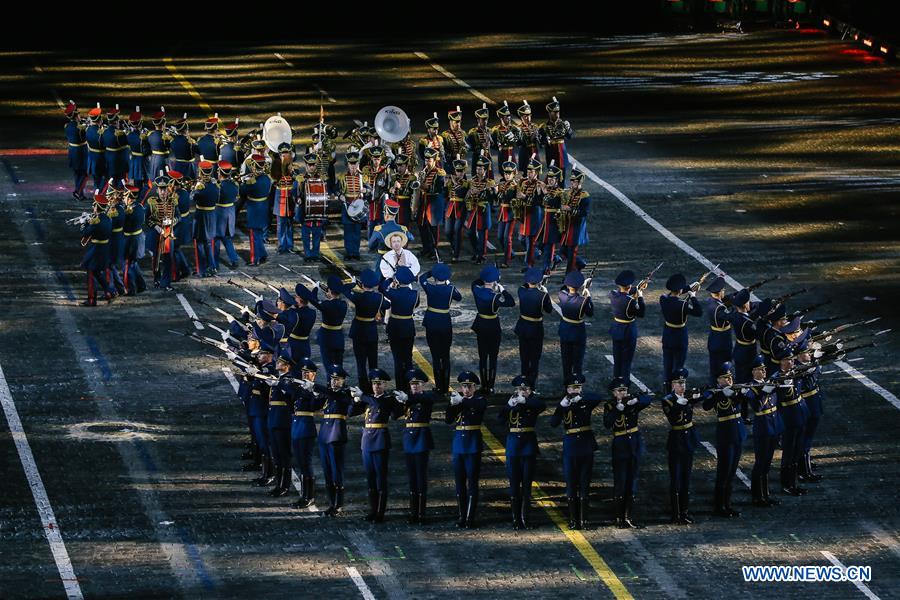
(255, 192)
(330, 335)
(466, 413)
(553, 135)
(675, 311)
(772, 341)
(96, 233)
(228, 150)
(795, 414)
(379, 407)
(620, 415)
(208, 143)
(205, 197)
(549, 236)
(283, 197)
(719, 341)
(627, 304)
(184, 227)
(183, 150)
(813, 395)
(309, 398)
(258, 403)
(489, 296)
(534, 302)
(226, 213)
(401, 329)
(745, 350)
(678, 406)
(577, 203)
(96, 162)
(115, 146)
(417, 442)
(281, 408)
(77, 149)
(519, 415)
(116, 213)
(579, 444)
(133, 229)
(730, 435)
(333, 437)
(575, 304)
(440, 294)
(139, 149)
(767, 428)
(158, 142)
(369, 307)
(299, 321)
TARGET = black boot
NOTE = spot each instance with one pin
(620, 512)
(255, 460)
(719, 503)
(381, 506)
(756, 491)
(373, 505)
(789, 480)
(268, 477)
(330, 490)
(338, 500)
(423, 502)
(728, 508)
(253, 466)
(515, 504)
(524, 520)
(414, 516)
(301, 501)
(808, 474)
(675, 504)
(583, 506)
(282, 482)
(796, 472)
(686, 517)
(461, 502)
(309, 490)
(471, 509)
(573, 512)
(765, 489)
(629, 505)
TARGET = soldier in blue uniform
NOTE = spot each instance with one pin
(369, 307)
(627, 305)
(375, 442)
(333, 437)
(401, 329)
(548, 236)
(298, 318)
(115, 146)
(730, 436)
(481, 196)
(813, 395)
(308, 398)
(620, 415)
(226, 214)
(158, 142)
(528, 136)
(77, 149)
(228, 150)
(534, 303)
(350, 188)
(772, 341)
(133, 226)
(208, 143)
(579, 444)
(678, 406)
(745, 350)
(466, 414)
(184, 227)
(183, 150)
(96, 232)
(675, 311)
(255, 192)
(577, 203)
(719, 343)
(440, 294)
(531, 196)
(575, 304)
(116, 213)
(330, 335)
(283, 197)
(489, 297)
(519, 415)
(205, 197)
(258, 402)
(281, 408)
(455, 214)
(312, 227)
(96, 162)
(553, 135)
(767, 429)
(138, 149)
(794, 413)
(418, 441)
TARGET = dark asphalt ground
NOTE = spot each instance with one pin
(771, 152)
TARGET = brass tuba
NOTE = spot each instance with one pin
(566, 210)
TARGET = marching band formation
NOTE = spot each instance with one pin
(160, 192)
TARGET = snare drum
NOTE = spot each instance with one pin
(357, 210)
(316, 206)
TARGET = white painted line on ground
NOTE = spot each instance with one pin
(855, 374)
(712, 449)
(380, 568)
(41, 501)
(454, 78)
(190, 311)
(862, 587)
(360, 583)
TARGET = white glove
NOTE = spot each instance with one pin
(632, 402)
(696, 395)
(356, 393)
(820, 354)
(747, 392)
(307, 384)
(513, 400)
(768, 388)
(728, 392)
(401, 396)
(252, 370)
(620, 407)
(692, 294)
(682, 400)
(787, 382)
(231, 355)
(455, 398)
(575, 399)
(565, 403)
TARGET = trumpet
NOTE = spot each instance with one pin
(80, 219)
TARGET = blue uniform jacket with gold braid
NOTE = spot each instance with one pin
(417, 437)
(521, 439)
(467, 417)
(579, 439)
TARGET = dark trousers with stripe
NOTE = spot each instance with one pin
(578, 471)
(681, 463)
(530, 351)
(417, 471)
(332, 457)
(302, 453)
(572, 354)
(520, 471)
(376, 466)
(439, 343)
(366, 354)
(467, 473)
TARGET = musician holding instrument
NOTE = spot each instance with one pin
(572, 219)
(507, 192)
(353, 215)
(139, 149)
(95, 234)
(184, 149)
(376, 183)
(480, 141)
(115, 146)
(480, 197)
(116, 213)
(133, 225)
(77, 149)
(228, 146)
(432, 140)
(489, 297)
(549, 235)
(184, 226)
(312, 207)
(208, 143)
(285, 191)
(553, 135)
(405, 187)
(505, 136)
(226, 213)
(162, 220)
(205, 197)
(255, 194)
(455, 214)
(627, 304)
(158, 141)
(96, 162)
(528, 136)
(430, 210)
(455, 143)
(528, 209)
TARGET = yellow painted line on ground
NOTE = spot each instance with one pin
(187, 85)
(553, 510)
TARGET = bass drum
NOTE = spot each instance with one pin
(357, 210)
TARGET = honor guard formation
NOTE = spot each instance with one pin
(509, 194)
